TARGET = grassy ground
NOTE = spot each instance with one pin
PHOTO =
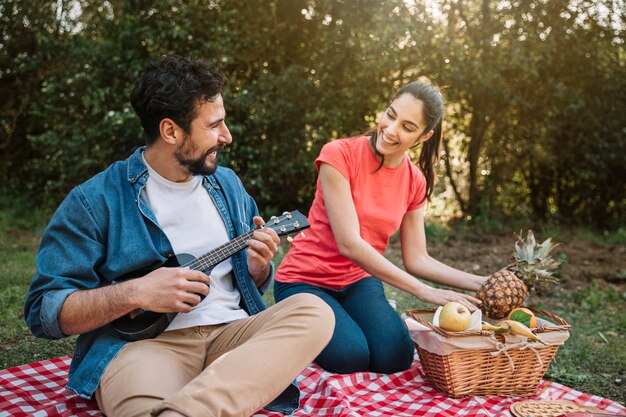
(593, 360)
(19, 239)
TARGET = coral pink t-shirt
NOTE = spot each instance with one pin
(381, 199)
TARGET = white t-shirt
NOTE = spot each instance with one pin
(191, 222)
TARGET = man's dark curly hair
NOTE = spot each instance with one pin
(173, 87)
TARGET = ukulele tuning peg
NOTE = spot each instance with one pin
(289, 239)
(275, 219)
(287, 214)
(302, 234)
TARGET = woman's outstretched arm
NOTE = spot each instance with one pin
(419, 263)
(345, 226)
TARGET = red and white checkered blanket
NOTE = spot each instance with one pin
(37, 390)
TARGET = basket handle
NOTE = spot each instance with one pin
(562, 324)
(413, 314)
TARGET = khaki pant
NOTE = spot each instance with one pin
(224, 370)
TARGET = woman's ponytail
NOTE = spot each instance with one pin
(429, 157)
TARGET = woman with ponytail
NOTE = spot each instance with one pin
(367, 189)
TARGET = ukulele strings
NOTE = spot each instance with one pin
(224, 251)
(219, 254)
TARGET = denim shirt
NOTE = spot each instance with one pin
(101, 232)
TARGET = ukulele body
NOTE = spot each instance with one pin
(144, 324)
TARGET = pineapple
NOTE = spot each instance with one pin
(532, 269)
(502, 292)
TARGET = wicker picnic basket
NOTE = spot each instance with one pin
(487, 372)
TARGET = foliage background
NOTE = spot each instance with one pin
(535, 127)
(535, 90)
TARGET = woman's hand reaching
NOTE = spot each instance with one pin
(440, 297)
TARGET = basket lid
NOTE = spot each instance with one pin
(548, 408)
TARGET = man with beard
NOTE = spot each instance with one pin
(224, 353)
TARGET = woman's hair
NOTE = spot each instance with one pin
(433, 116)
(173, 87)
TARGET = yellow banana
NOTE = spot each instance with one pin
(521, 329)
(489, 326)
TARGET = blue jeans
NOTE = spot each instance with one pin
(369, 335)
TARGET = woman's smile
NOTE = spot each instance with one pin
(386, 139)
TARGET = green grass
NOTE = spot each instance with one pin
(593, 360)
(605, 237)
(19, 239)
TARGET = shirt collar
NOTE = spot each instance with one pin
(136, 168)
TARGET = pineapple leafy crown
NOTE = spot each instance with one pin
(534, 263)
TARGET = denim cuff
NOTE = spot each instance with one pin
(50, 308)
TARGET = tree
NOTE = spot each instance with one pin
(532, 113)
(535, 121)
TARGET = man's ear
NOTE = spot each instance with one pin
(426, 136)
(170, 131)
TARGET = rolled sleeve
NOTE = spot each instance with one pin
(51, 304)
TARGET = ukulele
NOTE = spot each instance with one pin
(144, 324)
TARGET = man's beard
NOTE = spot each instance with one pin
(196, 166)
